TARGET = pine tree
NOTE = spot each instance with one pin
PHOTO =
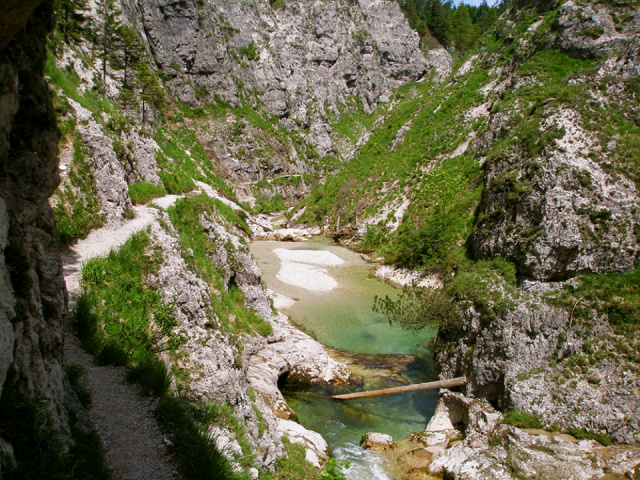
(463, 32)
(438, 17)
(128, 58)
(151, 93)
(108, 38)
(72, 21)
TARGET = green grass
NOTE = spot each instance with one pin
(77, 376)
(616, 295)
(185, 422)
(520, 419)
(182, 159)
(114, 314)
(143, 192)
(581, 434)
(78, 210)
(445, 197)
(113, 322)
(295, 467)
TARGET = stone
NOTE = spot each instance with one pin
(291, 235)
(490, 449)
(376, 441)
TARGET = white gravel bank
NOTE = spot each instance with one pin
(307, 269)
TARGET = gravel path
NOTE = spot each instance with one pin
(135, 447)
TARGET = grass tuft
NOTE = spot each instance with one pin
(144, 191)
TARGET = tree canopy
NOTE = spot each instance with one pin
(457, 27)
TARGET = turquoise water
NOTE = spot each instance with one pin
(342, 318)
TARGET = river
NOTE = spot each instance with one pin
(333, 291)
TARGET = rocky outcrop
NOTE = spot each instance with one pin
(243, 372)
(540, 360)
(108, 173)
(588, 30)
(561, 214)
(32, 294)
(302, 59)
(492, 449)
(376, 441)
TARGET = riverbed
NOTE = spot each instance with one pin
(328, 291)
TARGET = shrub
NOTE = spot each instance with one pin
(601, 438)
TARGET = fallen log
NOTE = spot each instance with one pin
(453, 382)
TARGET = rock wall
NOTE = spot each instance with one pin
(299, 60)
(32, 293)
(564, 208)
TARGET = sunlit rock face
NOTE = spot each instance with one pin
(301, 60)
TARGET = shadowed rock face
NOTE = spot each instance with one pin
(32, 293)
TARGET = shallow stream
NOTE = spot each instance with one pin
(342, 318)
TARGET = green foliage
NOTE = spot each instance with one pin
(454, 26)
(151, 374)
(593, 32)
(581, 434)
(400, 156)
(490, 285)
(520, 419)
(114, 315)
(113, 319)
(77, 376)
(617, 295)
(183, 159)
(375, 237)
(76, 214)
(270, 205)
(295, 466)
(439, 219)
(106, 36)
(250, 52)
(72, 22)
(186, 422)
(143, 192)
(417, 308)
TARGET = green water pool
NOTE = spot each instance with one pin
(343, 319)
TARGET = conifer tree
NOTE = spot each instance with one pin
(151, 93)
(107, 38)
(72, 21)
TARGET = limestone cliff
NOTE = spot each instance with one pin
(301, 61)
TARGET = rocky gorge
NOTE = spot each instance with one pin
(505, 178)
